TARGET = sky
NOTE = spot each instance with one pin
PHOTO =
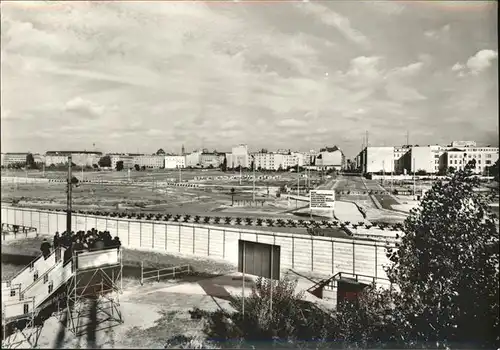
(139, 76)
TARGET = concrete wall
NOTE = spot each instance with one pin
(23, 180)
(321, 255)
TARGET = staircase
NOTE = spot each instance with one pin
(33, 271)
(327, 288)
(34, 284)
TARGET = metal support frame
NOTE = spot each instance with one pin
(21, 332)
(100, 285)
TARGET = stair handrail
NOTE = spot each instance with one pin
(37, 302)
(32, 263)
(323, 283)
(42, 276)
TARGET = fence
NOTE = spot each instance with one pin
(159, 273)
(320, 255)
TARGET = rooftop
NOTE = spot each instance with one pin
(55, 153)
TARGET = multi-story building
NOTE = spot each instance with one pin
(458, 158)
(238, 157)
(193, 159)
(11, 158)
(211, 159)
(431, 159)
(330, 158)
(175, 162)
(309, 157)
(274, 161)
(378, 159)
(152, 161)
(267, 160)
(128, 160)
(79, 158)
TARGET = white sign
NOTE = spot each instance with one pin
(322, 199)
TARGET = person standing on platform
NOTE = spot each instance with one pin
(57, 240)
(45, 248)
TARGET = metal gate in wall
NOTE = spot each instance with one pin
(259, 259)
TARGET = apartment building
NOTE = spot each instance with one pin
(128, 160)
(211, 159)
(175, 162)
(431, 159)
(458, 158)
(79, 158)
(11, 158)
(152, 161)
(193, 159)
(330, 158)
(238, 157)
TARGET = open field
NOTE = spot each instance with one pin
(165, 175)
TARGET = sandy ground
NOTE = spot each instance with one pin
(155, 312)
(346, 211)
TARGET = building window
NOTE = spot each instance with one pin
(488, 162)
(26, 308)
(488, 156)
(45, 278)
(12, 292)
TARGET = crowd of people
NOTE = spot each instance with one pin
(81, 240)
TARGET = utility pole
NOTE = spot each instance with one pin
(414, 194)
(68, 202)
(239, 165)
(383, 172)
(298, 181)
(43, 171)
(253, 189)
(180, 174)
(392, 182)
(82, 173)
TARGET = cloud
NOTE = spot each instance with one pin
(149, 75)
(84, 108)
(438, 33)
(334, 19)
(291, 123)
(476, 64)
(481, 61)
(457, 67)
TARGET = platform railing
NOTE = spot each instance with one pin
(163, 272)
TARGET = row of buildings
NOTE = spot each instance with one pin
(430, 159)
(326, 158)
